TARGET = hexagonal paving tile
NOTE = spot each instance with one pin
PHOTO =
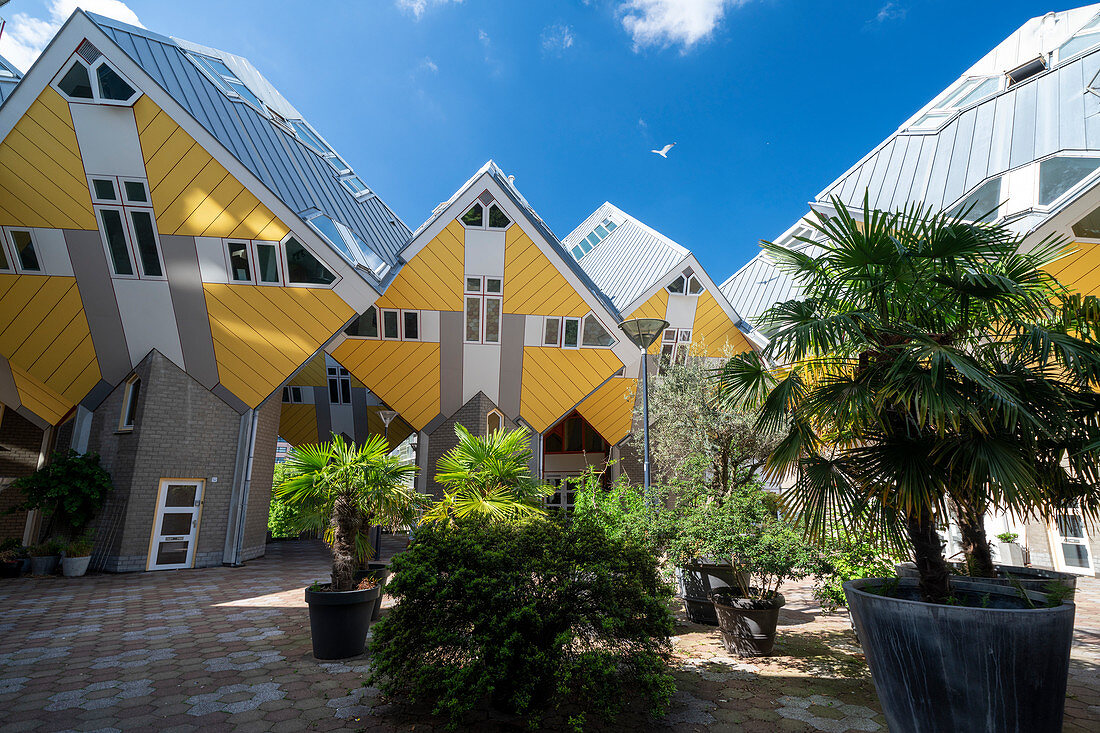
(243, 660)
(156, 632)
(99, 695)
(852, 717)
(234, 698)
(134, 658)
(9, 685)
(33, 655)
(250, 633)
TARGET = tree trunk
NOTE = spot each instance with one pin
(975, 543)
(928, 553)
(345, 529)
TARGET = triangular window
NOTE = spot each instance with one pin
(474, 216)
(111, 85)
(76, 83)
(303, 268)
(95, 81)
(497, 218)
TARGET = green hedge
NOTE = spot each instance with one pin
(543, 618)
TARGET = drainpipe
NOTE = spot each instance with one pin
(238, 508)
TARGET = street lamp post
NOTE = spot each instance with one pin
(643, 332)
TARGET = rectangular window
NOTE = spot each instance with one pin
(146, 239)
(115, 233)
(492, 320)
(473, 320)
(473, 285)
(411, 325)
(129, 404)
(492, 285)
(365, 326)
(4, 264)
(25, 254)
(267, 263)
(571, 333)
(390, 325)
(136, 193)
(552, 332)
(339, 386)
(103, 189)
(240, 270)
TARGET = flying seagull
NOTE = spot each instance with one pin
(663, 152)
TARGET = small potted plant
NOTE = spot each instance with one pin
(1011, 552)
(11, 565)
(78, 554)
(45, 557)
(343, 489)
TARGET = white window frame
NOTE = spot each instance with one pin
(485, 216)
(229, 262)
(382, 324)
(127, 404)
(557, 343)
(222, 83)
(126, 209)
(580, 333)
(341, 376)
(15, 264)
(292, 395)
(484, 296)
(1073, 190)
(93, 79)
(252, 250)
(592, 314)
(286, 264)
(500, 417)
(378, 320)
(401, 325)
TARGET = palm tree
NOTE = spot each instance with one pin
(345, 489)
(488, 477)
(931, 363)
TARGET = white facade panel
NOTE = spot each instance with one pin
(485, 252)
(148, 319)
(108, 139)
(481, 371)
(53, 255)
(212, 267)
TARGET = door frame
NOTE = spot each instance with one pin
(158, 514)
(1056, 539)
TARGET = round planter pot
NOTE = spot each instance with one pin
(381, 571)
(74, 567)
(696, 582)
(44, 564)
(339, 621)
(747, 626)
(11, 569)
(1030, 579)
(941, 669)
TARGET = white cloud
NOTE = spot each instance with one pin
(25, 36)
(428, 65)
(889, 11)
(419, 7)
(483, 37)
(556, 38)
(667, 23)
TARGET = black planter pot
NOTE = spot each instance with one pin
(339, 621)
(696, 582)
(11, 569)
(747, 626)
(1030, 579)
(380, 571)
(942, 669)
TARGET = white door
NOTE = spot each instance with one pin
(176, 525)
(1070, 543)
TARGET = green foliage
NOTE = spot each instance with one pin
(344, 489)
(15, 547)
(545, 616)
(45, 549)
(1008, 537)
(929, 362)
(847, 557)
(622, 510)
(81, 547)
(70, 489)
(284, 521)
(489, 477)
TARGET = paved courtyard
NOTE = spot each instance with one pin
(229, 649)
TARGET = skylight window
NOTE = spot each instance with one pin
(969, 92)
(227, 80)
(982, 204)
(355, 185)
(7, 72)
(1087, 37)
(594, 237)
(350, 245)
(1026, 71)
(1058, 175)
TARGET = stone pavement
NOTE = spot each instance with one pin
(224, 649)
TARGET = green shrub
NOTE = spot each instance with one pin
(622, 509)
(550, 616)
(847, 557)
(1008, 537)
(70, 489)
(283, 520)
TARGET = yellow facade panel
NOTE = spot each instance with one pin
(555, 380)
(298, 424)
(433, 279)
(39, 399)
(715, 331)
(403, 374)
(610, 409)
(532, 284)
(1079, 271)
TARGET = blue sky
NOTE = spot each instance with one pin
(768, 100)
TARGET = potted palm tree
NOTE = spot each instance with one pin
(343, 489)
(932, 362)
(488, 477)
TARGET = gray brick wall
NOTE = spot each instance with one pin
(181, 430)
(472, 416)
(20, 442)
(263, 470)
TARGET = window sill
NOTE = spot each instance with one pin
(124, 431)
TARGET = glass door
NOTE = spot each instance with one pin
(176, 525)
(1070, 543)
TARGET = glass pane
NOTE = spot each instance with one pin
(1077, 44)
(104, 189)
(980, 91)
(493, 423)
(177, 495)
(473, 285)
(116, 241)
(238, 262)
(930, 121)
(133, 390)
(677, 285)
(345, 391)
(550, 336)
(24, 249)
(1076, 556)
(572, 329)
(498, 218)
(111, 85)
(374, 262)
(593, 239)
(334, 391)
(172, 553)
(1058, 175)
(146, 243)
(365, 325)
(694, 286)
(553, 443)
(473, 319)
(176, 523)
(389, 324)
(4, 257)
(593, 441)
(412, 325)
(601, 232)
(267, 263)
(982, 205)
(1071, 525)
(578, 252)
(246, 93)
(474, 217)
(76, 83)
(135, 191)
(327, 228)
(574, 434)
(609, 224)
(492, 285)
(595, 334)
(492, 320)
(303, 267)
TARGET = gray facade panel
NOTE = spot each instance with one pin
(941, 164)
(97, 293)
(960, 158)
(181, 264)
(9, 393)
(1023, 126)
(451, 327)
(979, 148)
(1071, 127)
(324, 415)
(1046, 114)
(1000, 147)
(229, 398)
(513, 328)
